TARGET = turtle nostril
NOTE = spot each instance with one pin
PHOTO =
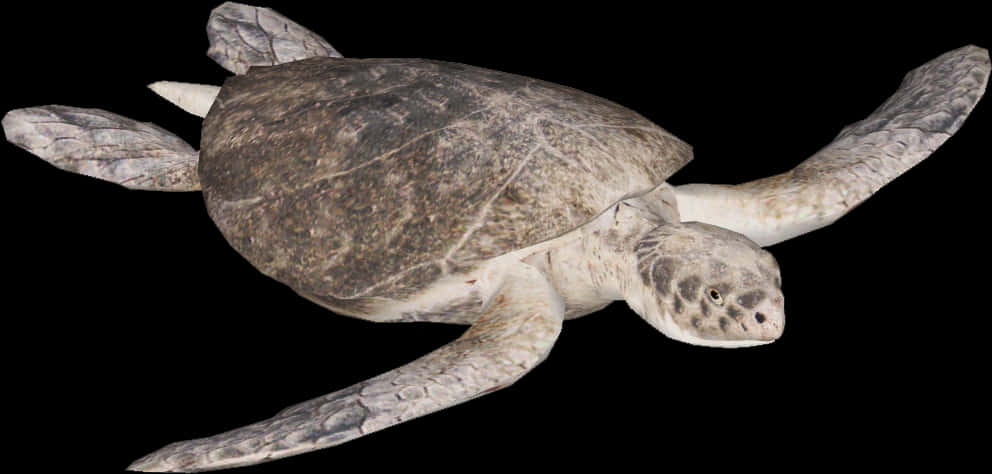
(759, 317)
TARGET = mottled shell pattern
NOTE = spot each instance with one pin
(357, 178)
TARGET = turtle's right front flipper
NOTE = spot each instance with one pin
(100, 144)
(519, 323)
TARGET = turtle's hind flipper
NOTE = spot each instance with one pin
(242, 36)
(930, 105)
(104, 145)
(515, 332)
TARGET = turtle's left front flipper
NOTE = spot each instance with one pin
(104, 145)
(930, 105)
(519, 323)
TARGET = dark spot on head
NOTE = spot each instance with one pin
(749, 278)
(696, 323)
(646, 275)
(689, 287)
(751, 299)
(705, 307)
(724, 323)
(663, 272)
(734, 312)
(678, 305)
(760, 318)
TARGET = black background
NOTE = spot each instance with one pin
(131, 323)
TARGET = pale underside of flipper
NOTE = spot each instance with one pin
(516, 330)
(929, 106)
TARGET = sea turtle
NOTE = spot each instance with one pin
(416, 190)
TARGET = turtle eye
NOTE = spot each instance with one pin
(715, 296)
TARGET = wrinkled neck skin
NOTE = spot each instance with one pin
(593, 266)
(694, 282)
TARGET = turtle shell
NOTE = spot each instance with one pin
(348, 178)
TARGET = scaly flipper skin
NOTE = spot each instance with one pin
(106, 146)
(242, 36)
(139, 155)
(930, 105)
(521, 322)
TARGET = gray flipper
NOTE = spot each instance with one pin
(242, 36)
(515, 332)
(103, 145)
(930, 105)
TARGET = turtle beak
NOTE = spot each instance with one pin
(769, 319)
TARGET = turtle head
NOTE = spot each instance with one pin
(706, 285)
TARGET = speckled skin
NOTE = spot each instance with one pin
(309, 168)
(715, 283)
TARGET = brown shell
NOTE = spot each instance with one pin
(374, 177)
